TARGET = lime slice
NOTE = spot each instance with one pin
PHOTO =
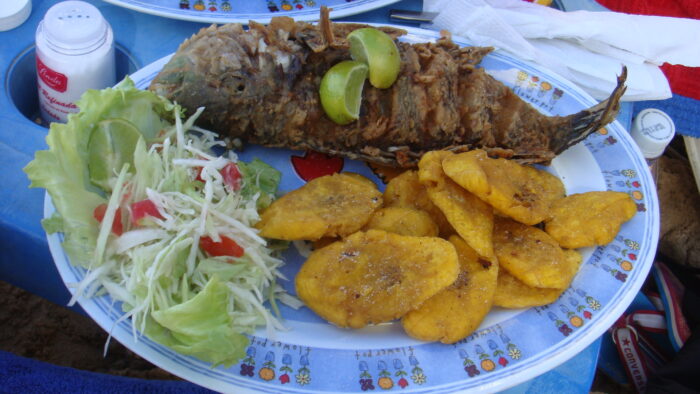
(111, 145)
(378, 50)
(341, 91)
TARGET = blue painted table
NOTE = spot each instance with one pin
(25, 260)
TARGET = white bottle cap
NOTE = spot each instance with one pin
(652, 130)
(13, 13)
(74, 27)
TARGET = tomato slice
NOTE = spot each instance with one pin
(230, 173)
(227, 247)
(199, 175)
(143, 208)
(232, 176)
(117, 225)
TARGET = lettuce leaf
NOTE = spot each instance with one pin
(63, 171)
(201, 309)
(201, 327)
(259, 177)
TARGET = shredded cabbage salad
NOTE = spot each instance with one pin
(168, 228)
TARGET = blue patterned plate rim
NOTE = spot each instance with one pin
(240, 11)
(509, 348)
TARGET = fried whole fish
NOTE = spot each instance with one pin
(261, 86)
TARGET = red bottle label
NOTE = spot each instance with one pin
(53, 79)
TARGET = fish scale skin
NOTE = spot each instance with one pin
(261, 86)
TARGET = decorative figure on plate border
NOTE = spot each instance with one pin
(285, 5)
(556, 95)
(366, 382)
(513, 352)
(469, 366)
(521, 77)
(592, 302)
(545, 87)
(384, 382)
(285, 369)
(497, 353)
(534, 90)
(563, 328)
(400, 373)
(267, 372)
(575, 320)
(248, 364)
(532, 84)
(486, 363)
(303, 376)
(580, 308)
(417, 374)
(272, 6)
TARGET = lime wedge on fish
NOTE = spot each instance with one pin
(341, 91)
(378, 50)
(111, 145)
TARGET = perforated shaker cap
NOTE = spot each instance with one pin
(652, 130)
(72, 26)
(13, 13)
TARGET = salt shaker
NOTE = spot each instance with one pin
(652, 130)
(74, 53)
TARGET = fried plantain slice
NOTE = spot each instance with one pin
(406, 190)
(512, 293)
(468, 215)
(589, 219)
(456, 311)
(375, 276)
(518, 191)
(328, 206)
(531, 255)
(403, 221)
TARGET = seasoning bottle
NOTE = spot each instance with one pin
(74, 53)
(652, 130)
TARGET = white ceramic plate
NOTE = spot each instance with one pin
(243, 11)
(510, 347)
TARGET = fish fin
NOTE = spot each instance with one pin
(578, 126)
(326, 26)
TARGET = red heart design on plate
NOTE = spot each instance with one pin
(315, 164)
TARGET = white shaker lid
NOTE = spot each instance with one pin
(652, 130)
(74, 25)
(13, 13)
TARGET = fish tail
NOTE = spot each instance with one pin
(577, 127)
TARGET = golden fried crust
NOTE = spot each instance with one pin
(403, 221)
(328, 206)
(468, 215)
(457, 311)
(512, 293)
(375, 276)
(531, 255)
(589, 219)
(405, 190)
(521, 192)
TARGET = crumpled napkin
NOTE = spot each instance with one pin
(587, 48)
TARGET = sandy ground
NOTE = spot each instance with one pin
(33, 327)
